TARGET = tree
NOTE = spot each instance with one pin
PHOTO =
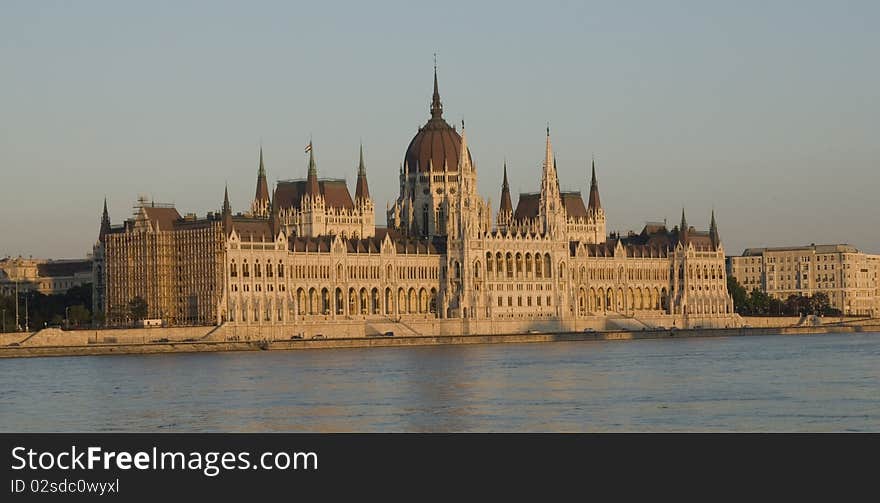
(739, 295)
(138, 308)
(822, 305)
(78, 315)
(759, 302)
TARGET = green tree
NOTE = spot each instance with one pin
(79, 315)
(739, 295)
(138, 308)
(759, 302)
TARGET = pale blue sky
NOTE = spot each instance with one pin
(767, 111)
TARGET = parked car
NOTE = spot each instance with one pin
(388, 334)
(296, 336)
(533, 331)
(318, 336)
(588, 330)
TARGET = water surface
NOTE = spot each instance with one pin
(827, 382)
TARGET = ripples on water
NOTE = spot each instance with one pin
(825, 382)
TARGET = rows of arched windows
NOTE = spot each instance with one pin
(516, 265)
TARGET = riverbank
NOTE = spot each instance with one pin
(197, 346)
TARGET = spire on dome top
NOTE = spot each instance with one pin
(436, 106)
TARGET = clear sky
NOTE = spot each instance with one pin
(767, 111)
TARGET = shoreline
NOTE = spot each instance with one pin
(411, 341)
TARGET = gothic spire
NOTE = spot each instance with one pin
(312, 178)
(683, 228)
(226, 207)
(436, 106)
(261, 198)
(713, 231)
(105, 222)
(594, 204)
(464, 163)
(362, 191)
(506, 205)
(227, 212)
(549, 179)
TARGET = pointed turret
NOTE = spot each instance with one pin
(436, 106)
(227, 211)
(362, 190)
(506, 205)
(105, 222)
(713, 232)
(683, 228)
(551, 212)
(594, 204)
(312, 188)
(260, 206)
(464, 161)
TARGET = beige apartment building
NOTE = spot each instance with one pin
(850, 278)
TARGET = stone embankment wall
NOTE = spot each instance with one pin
(368, 332)
(404, 341)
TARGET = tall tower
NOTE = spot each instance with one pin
(99, 267)
(550, 212)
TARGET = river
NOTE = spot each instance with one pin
(815, 383)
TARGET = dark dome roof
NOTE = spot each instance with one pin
(436, 144)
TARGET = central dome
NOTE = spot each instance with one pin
(437, 144)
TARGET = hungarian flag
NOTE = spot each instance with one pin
(309, 147)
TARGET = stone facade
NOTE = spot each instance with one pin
(850, 278)
(311, 253)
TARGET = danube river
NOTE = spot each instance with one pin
(828, 382)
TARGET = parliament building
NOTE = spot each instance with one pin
(309, 252)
